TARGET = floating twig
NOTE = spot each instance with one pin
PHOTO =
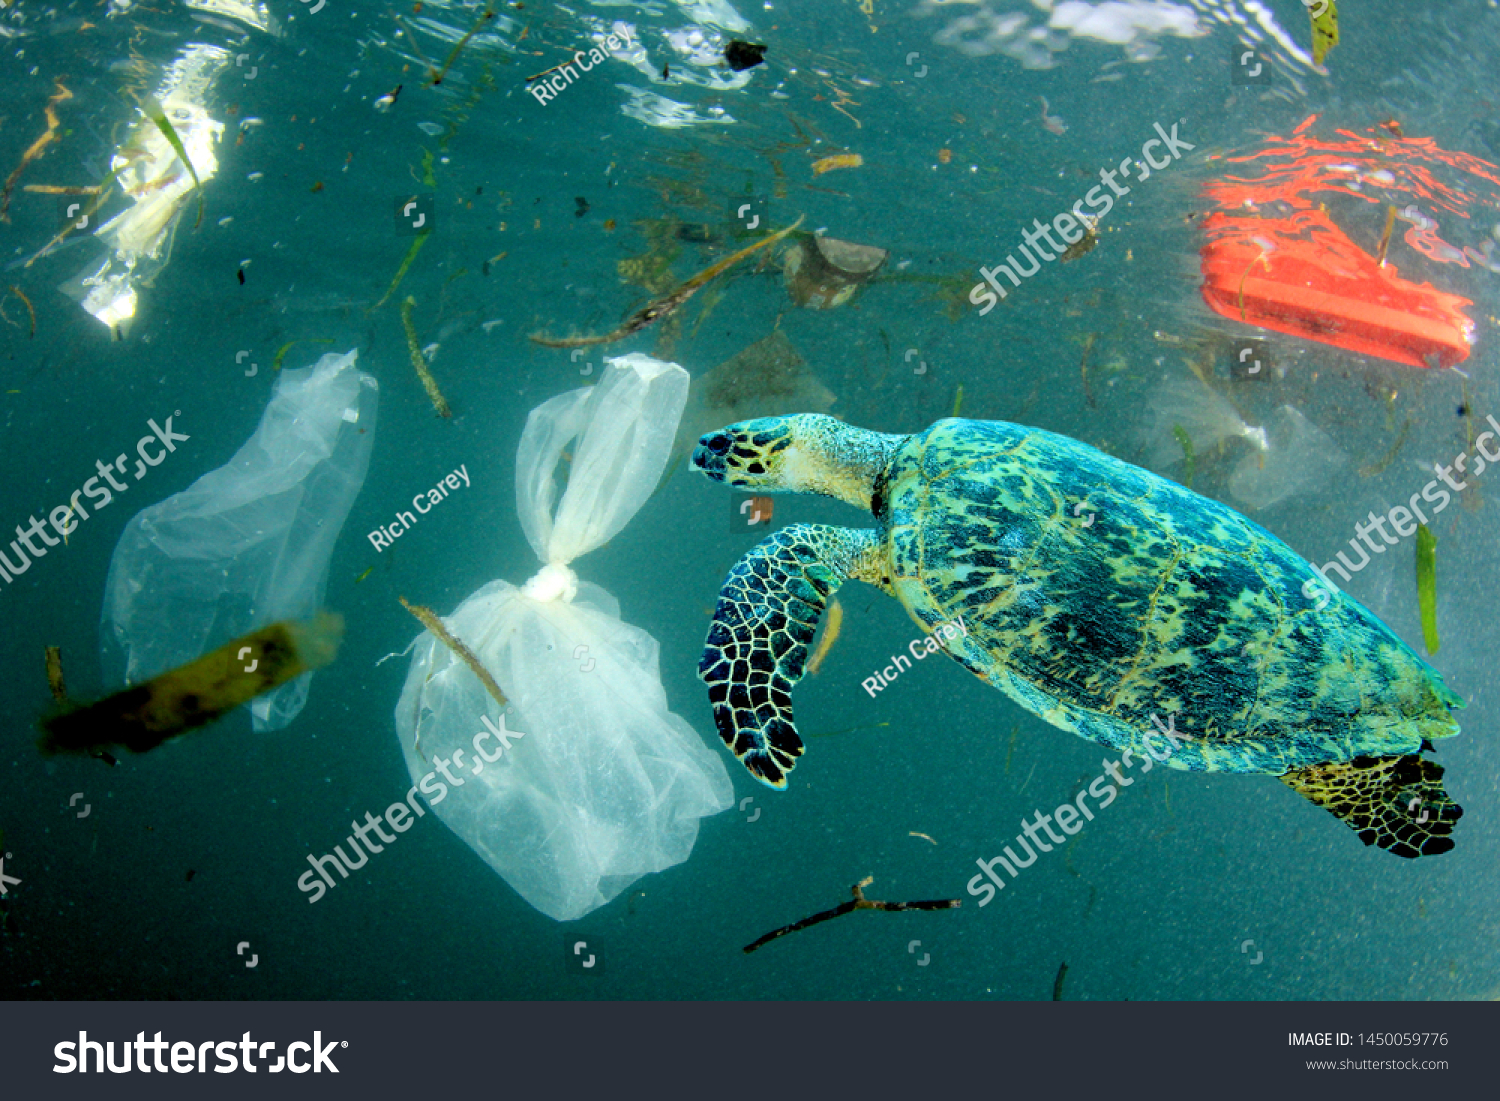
(1057, 983)
(923, 836)
(843, 97)
(1427, 586)
(1385, 237)
(55, 674)
(419, 361)
(663, 306)
(1263, 262)
(1370, 470)
(435, 625)
(15, 290)
(103, 193)
(67, 515)
(287, 347)
(142, 717)
(1189, 458)
(1083, 369)
(484, 17)
(838, 160)
(37, 148)
(412, 38)
(1325, 29)
(150, 186)
(57, 189)
(544, 72)
(858, 902)
(1084, 244)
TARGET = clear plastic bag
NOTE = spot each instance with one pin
(585, 781)
(247, 544)
(1299, 457)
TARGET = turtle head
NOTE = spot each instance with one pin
(803, 453)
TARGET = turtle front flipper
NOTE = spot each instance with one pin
(758, 644)
(1397, 803)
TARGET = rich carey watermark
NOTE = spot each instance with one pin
(386, 534)
(919, 648)
(549, 85)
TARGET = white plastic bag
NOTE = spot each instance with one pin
(249, 543)
(586, 781)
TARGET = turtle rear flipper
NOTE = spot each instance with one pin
(1397, 803)
(764, 624)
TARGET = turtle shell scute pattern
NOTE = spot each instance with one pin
(1097, 593)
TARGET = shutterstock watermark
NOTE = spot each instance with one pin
(1400, 518)
(1072, 227)
(64, 518)
(397, 816)
(1068, 819)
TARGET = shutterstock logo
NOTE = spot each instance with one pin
(189, 1058)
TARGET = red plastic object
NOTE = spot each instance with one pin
(1303, 276)
(1275, 259)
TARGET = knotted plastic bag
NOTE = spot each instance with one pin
(585, 781)
(247, 544)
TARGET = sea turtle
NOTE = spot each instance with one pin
(1095, 594)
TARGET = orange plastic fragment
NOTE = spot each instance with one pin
(1276, 259)
(1313, 282)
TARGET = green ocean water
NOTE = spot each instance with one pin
(1188, 887)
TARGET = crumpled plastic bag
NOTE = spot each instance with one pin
(1206, 415)
(585, 781)
(1299, 457)
(247, 544)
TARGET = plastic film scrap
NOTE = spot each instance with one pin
(247, 544)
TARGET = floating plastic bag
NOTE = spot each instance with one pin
(1299, 457)
(1202, 412)
(249, 543)
(585, 781)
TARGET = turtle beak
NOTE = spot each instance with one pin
(708, 456)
